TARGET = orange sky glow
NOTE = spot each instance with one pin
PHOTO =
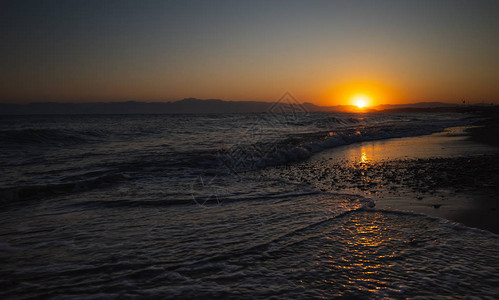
(323, 52)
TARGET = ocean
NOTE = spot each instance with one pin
(202, 206)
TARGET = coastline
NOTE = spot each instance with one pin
(130, 237)
(486, 131)
(451, 174)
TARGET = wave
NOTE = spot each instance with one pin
(442, 221)
(12, 195)
(244, 157)
(189, 200)
(277, 244)
(128, 155)
(187, 165)
(52, 137)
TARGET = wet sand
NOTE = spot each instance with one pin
(487, 131)
(444, 175)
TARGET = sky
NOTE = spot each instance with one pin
(323, 52)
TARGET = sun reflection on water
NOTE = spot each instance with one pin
(366, 258)
(363, 156)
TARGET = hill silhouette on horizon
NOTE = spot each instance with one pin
(194, 105)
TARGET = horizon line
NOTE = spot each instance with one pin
(448, 102)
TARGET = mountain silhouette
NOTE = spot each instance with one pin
(194, 105)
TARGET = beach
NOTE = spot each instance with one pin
(249, 150)
(448, 174)
(247, 206)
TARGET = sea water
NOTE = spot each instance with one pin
(179, 206)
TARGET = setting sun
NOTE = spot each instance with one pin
(360, 100)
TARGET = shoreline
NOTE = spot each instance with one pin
(448, 175)
(486, 131)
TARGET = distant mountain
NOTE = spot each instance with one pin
(193, 105)
(188, 105)
(415, 105)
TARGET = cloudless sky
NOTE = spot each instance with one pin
(320, 51)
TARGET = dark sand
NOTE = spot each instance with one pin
(447, 175)
(487, 131)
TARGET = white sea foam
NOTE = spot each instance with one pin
(124, 234)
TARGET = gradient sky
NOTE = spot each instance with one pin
(319, 51)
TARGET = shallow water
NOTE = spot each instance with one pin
(198, 206)
(321, 245)
(451, 142)
(444, 174)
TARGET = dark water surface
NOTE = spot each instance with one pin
(180, 206)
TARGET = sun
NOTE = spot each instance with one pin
(361, 100)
